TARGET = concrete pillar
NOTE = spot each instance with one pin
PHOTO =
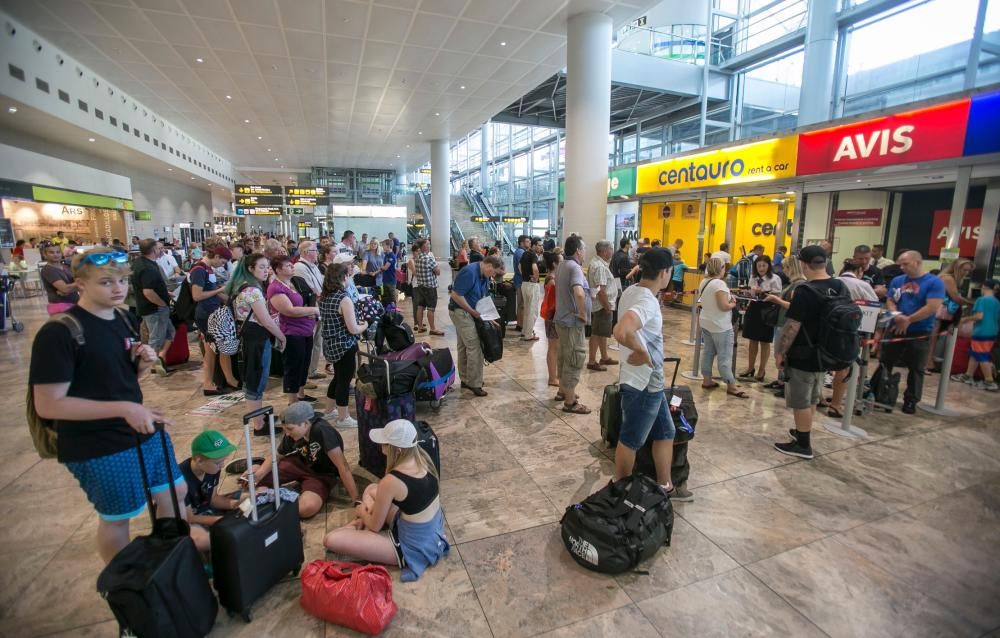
(484, 159)
(440, 200)
(820, 64)
(958, 206)
(588, 112)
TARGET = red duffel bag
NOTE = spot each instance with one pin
(355, 596)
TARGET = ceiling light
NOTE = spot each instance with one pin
(503, 44)
(789, 192)
(275, 159)
(198, 60)
(229, 97)
(462, 87)
(397, 157)
(268, 150)
(90, 139)
(420, 132)
(170, 169)
(437, 115)
(259, 137)
(858, 180)
(246, 121)
(12, 109)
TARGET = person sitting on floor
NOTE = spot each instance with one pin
(209, 451)
(407, 499)
(311, 452)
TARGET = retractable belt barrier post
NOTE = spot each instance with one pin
(695, 373)
(693, 336)
(844, 428)
(949, 355)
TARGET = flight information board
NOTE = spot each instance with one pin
(308, 201)
(258, 189)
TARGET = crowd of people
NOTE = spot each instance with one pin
(298, 298)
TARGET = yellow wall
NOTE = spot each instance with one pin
(678, 226)
(758, 213)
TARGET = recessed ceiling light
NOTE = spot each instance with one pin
(858, 180)
(275, 159)
(229, 97)
(259, 137)
(170, 169)
(90, 139)
(268, 150)
(462, 87)
(503, 44)
(420, 132)
(789, 192)
(437, 115)
(12, 109)
(198, 60)
(192, 177)
(407, 146)
(397, 157)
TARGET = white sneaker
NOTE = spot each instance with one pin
(347, 422)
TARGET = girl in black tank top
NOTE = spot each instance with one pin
(406, 501)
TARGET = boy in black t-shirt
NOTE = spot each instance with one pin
(91, 391)
(310, 452)
(208, 455)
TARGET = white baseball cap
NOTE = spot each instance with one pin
(343, 258)
(399, 433)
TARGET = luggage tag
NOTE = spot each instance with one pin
(675, 401)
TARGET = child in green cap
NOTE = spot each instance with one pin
(209, 451)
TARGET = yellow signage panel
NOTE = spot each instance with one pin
(308, 191)
(747, 163)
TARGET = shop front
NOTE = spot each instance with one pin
(86, 225)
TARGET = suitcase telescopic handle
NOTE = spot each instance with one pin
(376, 358)
(677, 366)
(251, 479)
(160, 430)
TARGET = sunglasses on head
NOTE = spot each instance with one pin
(102, 259)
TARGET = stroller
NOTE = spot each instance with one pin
(7, 283)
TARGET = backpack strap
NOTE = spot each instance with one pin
(72, 324)
(126, 318)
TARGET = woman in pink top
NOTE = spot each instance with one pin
(297, 322)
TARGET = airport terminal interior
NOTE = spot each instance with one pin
(409, 157)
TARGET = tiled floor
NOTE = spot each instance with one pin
(895, 535)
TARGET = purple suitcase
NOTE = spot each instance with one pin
(411, 353)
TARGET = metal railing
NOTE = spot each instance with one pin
(670, 45)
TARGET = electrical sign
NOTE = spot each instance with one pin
(308, 191)
(760, 161)
(257, 189)
(259, 210)
(308, 201)
(259, 200)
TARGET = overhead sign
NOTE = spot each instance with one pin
(756, 162)
(259, 200)
(308, 201)
(514, 220)
(258, 189)
(143, 215)
(858, 217)
(621, 182)
(259, 210)
(982, 134)
(295, 211)
(932, 133)
(308, 191)
(967, 239)
(485, 219)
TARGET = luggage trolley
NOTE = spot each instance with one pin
(7, 283)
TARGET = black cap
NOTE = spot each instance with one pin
(658, 258)
(812, 255)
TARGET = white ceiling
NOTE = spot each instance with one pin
(323, 82)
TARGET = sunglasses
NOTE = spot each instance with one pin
(102, 259)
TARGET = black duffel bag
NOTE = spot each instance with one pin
(490, 340)
(393, 334)
(619, 526)
(391, 378)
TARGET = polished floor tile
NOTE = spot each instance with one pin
(624, 621)
(494, 503)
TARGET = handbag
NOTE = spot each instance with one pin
(769, 313)
(355, 596)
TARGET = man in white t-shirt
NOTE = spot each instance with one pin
(172, 273)
(645, 413)
(307, 269)
(723, 254)
(604, 288)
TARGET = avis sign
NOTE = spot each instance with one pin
(933, 133)
(967, 239)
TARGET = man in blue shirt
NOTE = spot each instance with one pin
(389, 271)
(471, 285)
(916, 295)
(523, 243)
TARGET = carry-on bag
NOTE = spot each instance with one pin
(507, 290)
(490, 339)
(250, 555)
(351, 595)
(619, 526)
(393, 334)
(684, 415)
(611, 414)
(375, 411)
(884, 388)
(156, 586)
(439, 376)
(179, 352)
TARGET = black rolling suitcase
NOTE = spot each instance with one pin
(375, 411)
(506, 290)
(250, 555)
(157, 586)
(883, 388)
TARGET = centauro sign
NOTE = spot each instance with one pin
(759, 161)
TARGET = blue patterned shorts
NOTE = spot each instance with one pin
(113, 483)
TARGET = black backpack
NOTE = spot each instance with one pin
(490, 339)
(393, 334)
(619, 526)
(184, 306)
(838, 341)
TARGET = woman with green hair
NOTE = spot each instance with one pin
(256, 328)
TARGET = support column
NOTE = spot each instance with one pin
(484, 159)
(987, 232)
(440, 200)
(819, 66)
(588, 114)
(958, 206)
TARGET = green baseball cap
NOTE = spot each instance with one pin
(212, 445)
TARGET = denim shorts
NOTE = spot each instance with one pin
(113, 483)
(644, 415)
(160, 327)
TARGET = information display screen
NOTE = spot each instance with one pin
(259, 200)
(6, 233)
(258, 189)
(485, 219)
(515, 220)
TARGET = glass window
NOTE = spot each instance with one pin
(541, 161)
(884, 69)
